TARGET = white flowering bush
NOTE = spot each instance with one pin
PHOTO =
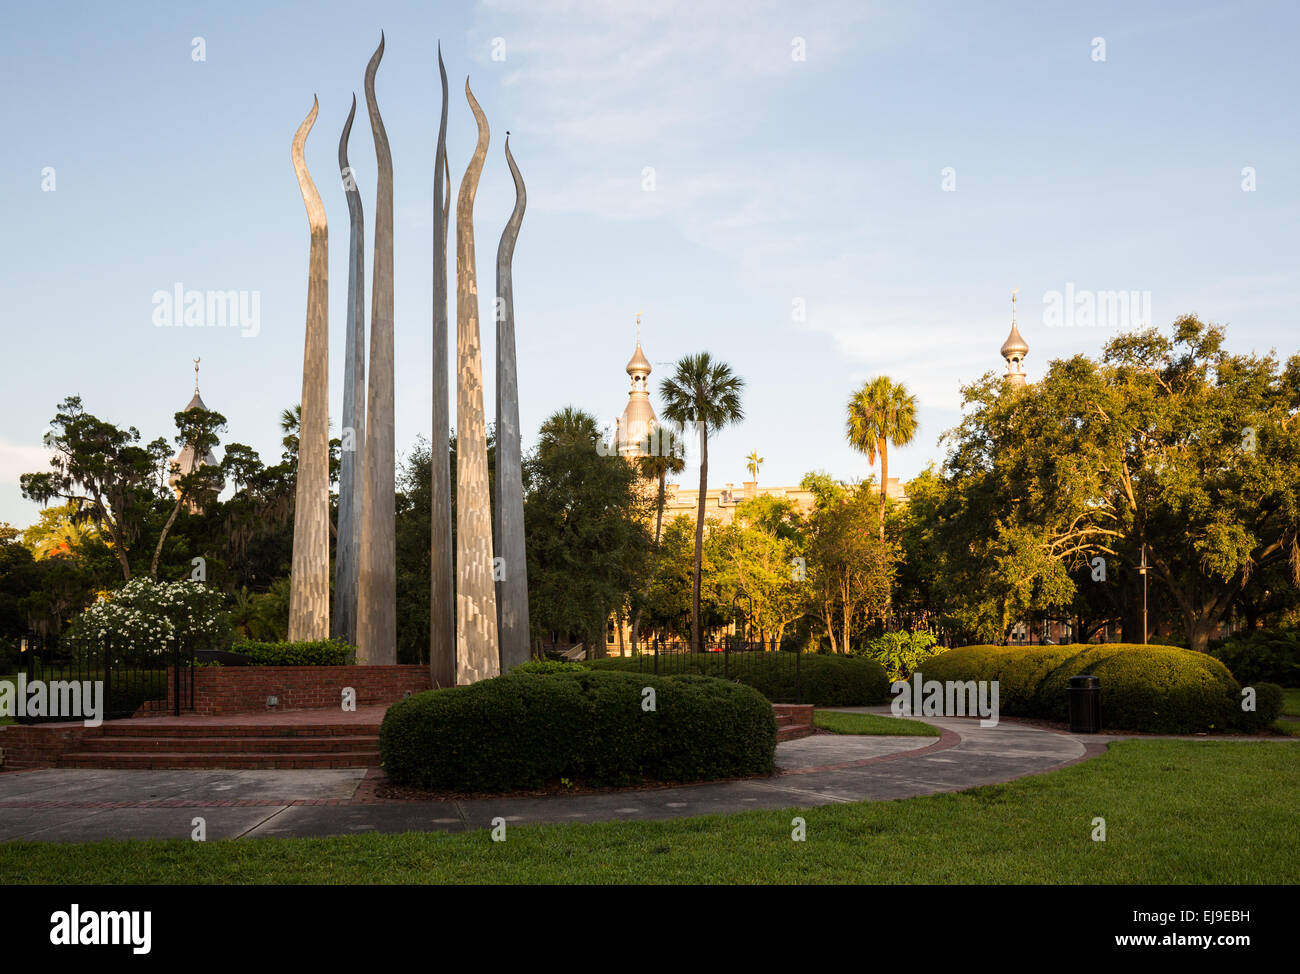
(144, 619)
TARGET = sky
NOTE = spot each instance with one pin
(816, 192)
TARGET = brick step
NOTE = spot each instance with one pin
(799, 713)
(146, 728)
(220, 761)
(793, 732)
(169, 744)
(784, 720)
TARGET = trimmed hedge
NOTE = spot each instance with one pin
(827, 681)
(318, 652)
(524, 730)
(1159, 689)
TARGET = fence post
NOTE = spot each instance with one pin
(176, 678)
(108, 681)
(656, 655)
(726, 659)
(798, 676)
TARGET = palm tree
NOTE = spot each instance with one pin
(660, 457)
(290, 422)
(880, 413)
(705, 394)
(242, 611)
(755, 461)
(567, 426)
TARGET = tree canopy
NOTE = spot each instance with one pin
(1167, 441)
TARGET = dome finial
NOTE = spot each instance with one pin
(1014, 349)
(638, 420)
(639, 364)
(196, 377)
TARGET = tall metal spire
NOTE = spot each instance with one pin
(352, 461)
(377, 582)
(442, 572)
(478, 653)
(309, 592)
(512, 580)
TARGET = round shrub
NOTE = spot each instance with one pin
(1018, 671)
(1158, 689)
(528, 729)
(536, 666)
(1268, 707)
(825, 681)
(842, 681)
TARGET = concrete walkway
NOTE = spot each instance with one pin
(76, 805)
(86, 805)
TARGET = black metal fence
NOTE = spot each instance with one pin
(778, 675)
(118, 677)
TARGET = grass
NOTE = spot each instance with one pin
(842, 723)
(1183, 812)
(1291, 702)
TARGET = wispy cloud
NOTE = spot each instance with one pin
(918, 347)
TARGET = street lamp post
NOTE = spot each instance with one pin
(1142, 570)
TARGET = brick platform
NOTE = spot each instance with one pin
(245, 689)
(231, 725)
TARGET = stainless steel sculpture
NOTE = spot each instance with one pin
(477, 653)
(309, 594)
(442, 601)
(512, 580)
(351, 462)
(377, 589)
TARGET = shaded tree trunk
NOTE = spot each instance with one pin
(883, 447)
(1251, 611)
(829, 622)
(157, 551)
(659, 523)
(116, 536)
(697, 639)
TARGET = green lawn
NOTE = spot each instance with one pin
(1291, 701)
(1175, 811)
(841, 723)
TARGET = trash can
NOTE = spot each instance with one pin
(1085, 704)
